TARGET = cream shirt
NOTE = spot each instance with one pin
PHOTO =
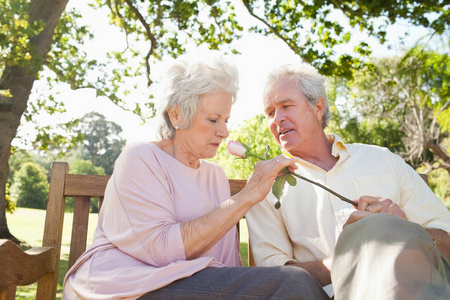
(309, 221)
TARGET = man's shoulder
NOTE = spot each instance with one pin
(356, 148)
(359, 147)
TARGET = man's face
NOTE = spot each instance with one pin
(292, 121)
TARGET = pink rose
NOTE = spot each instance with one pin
(236, 148)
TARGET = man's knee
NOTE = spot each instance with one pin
(387, 250)
(384, 228)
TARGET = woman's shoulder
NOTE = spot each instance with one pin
(138, 151)
(137, 146)
(140, 147)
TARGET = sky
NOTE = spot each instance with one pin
(258, 56)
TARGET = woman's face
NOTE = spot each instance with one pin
(209, 127)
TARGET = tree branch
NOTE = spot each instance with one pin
(150, 36)
(348, 11)
(290, 44)
(438, 151)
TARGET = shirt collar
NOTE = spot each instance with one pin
(339, 148)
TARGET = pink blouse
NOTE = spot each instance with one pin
(137, 244)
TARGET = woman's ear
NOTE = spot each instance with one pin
(174, 115)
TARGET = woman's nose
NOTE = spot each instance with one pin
(223, 132)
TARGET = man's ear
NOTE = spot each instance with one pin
(175, 116)
(319, 109)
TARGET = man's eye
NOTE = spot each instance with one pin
(213, 120)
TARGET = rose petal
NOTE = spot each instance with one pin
(236, 148)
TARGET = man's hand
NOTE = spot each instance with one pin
(368, 205)
(442, 240)
(319, 269)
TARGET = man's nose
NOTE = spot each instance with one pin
(278, 117)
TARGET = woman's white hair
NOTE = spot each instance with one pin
(188, 78)
(309, 81)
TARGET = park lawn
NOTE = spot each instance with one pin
(27, 225)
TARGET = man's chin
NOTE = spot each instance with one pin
(286, 145)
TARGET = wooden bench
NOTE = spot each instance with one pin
(19, 267)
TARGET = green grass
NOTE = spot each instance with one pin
(28, 226)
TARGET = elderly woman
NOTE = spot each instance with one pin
(166, 229)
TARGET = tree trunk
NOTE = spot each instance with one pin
(19, 81)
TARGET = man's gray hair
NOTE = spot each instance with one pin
(309, 81)
(187, 79)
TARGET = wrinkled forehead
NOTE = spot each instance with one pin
(281, 89)
(216, 103)
(280, 84)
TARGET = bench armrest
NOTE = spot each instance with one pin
(18, 267)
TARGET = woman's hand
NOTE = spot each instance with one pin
(265, 173)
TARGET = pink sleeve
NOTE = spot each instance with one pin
(138, 212)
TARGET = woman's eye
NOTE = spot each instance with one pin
(213, 120)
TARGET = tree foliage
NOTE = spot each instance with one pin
(85, 167)
(23, 47)
(101, 140)
(316, 30)
(30, 187)
(439, 181)
(255, 134)
(151, 30)
(409, 94)
(10, 205)
(355, 129)
(17, 159)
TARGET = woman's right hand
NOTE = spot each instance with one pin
(264, 175)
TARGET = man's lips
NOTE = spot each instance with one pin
(284, 131)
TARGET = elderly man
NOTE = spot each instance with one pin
(394, 245)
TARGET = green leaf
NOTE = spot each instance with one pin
(278, 185)
(278, 204)
(285, 170)
(291, 180)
